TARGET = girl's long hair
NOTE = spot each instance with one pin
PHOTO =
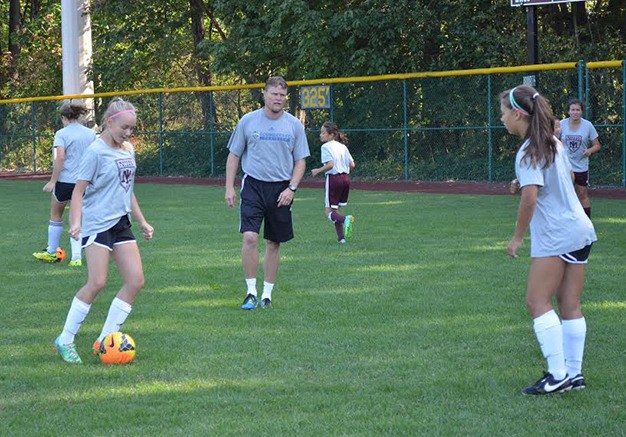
(332, 129)
(529, 103)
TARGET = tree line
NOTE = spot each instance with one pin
(170, 43)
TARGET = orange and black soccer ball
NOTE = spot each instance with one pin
(60, 255)
(117, 348)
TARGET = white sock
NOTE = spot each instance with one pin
(267, 290)
(118, 312)
(55, 229)
(251, 283)
(75, 317)
(76, 248)
(550, 336)
(574, 333)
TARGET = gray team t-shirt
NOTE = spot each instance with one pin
(559, 224)
(577, 141)
(268, 148)
(74, 138)
(111, 176)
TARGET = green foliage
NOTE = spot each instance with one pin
(151, 44)
(306, 40)
(141, 44)
(418, 328)
(38, 68)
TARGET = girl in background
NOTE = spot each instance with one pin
(101, 203)
(561, 236)
(580, 140)
(337, 165)
(69, 145)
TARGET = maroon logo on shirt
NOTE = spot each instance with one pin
(574, 142)
(126, 170)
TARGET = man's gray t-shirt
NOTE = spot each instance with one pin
(111, 176)
(74, 138)
(577, 141)
(268, 148)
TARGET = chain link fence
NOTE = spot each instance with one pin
(423, 126)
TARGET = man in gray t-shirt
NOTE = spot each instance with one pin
(272, 147)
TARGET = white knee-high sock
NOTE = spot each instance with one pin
(75, 317)
(55, 229)
(574, 333)
(118, 312)
(76, 248)
(550, 336)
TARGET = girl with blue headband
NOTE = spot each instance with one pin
(561, 236)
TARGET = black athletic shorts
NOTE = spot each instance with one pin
(63, 191)
(120, 233)
(580, 256)
(259, 204)
(581, 178)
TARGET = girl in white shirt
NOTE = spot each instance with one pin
(337, 162)
(561, 236)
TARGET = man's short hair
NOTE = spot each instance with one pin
(277, 81)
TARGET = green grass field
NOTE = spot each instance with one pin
(416, 327)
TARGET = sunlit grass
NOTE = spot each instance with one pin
(417, 326)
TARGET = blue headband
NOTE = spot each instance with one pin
(515, 105)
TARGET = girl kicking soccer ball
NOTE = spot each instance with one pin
(561, 236)
(102, 201)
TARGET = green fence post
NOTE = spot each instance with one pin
(489, 139)
(2, 116)
(34, 130)
(581, 63)
(332, 103)
(211, 134)
(406, 130)
(160, 134)
(587, 73)
(624, 123)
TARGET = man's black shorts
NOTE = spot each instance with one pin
(259, 204)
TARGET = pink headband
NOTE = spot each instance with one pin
(123, 111)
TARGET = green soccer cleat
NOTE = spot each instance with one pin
(56, 257)
(75, 263)
(67, 351)
(347, 226)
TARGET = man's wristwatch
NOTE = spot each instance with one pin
(292, 187)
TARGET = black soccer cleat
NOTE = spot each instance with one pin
(578, 382)
(548, 385)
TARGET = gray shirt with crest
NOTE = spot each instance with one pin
(111, 176)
